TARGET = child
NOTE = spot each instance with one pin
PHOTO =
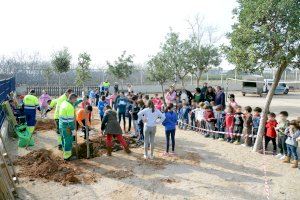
(220, 124)
(255, 122)
(229, 123)
(192, 114)
(158, 103)
(238, 125)
(170, 128)
(199, 115)
(122, 105)
(271, 132)
(184, 115)
(128, 114)
(293, 133)
(101, 105)
(282, 126)
(209, 119)
(247, 128)
(135, 110)
(141, 124)
(44, 103)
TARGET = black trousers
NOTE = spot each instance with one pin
(129, 123)
(267, 140)
(83, 128)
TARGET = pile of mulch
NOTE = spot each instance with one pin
(45, 125)
(43, 164)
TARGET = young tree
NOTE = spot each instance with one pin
(266, 34)
(203, 54)
(122, 68)
(202, 59)
(61, 60)
(47, 73)
(176, 53)
(159, 71)
(83, 73)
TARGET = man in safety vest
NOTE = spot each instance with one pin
(67, 125)
(106, 85)
(31, 103)
(56, 103)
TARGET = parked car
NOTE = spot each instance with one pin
(282, 88)
(252, 84)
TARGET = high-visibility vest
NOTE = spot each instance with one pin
(106, 84)
(30, 101)
(67, 115)
(59, 101)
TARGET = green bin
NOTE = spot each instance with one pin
(24, 135)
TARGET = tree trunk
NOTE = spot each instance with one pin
(198, 77)
(182, 83)
(163, 94)
(261, 129)
(59, 87)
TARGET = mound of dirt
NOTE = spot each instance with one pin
(45, 125)
(191, 158)
(42, 164)
(98, 146)
(118, 174)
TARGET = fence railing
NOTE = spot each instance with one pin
(6, 86)
(55, 91)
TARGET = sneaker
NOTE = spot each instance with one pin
(244, 145)
(145, 157)
(278, 155)
(282, 157)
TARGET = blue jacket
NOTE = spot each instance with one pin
(170, 121)
(184, 112)
(101, 106)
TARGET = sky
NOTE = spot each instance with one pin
(104, 28)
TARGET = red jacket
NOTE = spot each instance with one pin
(270, 126)
(229, 120)
(209, 116)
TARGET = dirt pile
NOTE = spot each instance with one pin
(98, 146)
(191, 158)
(168, 180)
(45, 125)
(44, 165)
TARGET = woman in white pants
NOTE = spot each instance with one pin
(151, 117)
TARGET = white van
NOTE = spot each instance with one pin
(252, 84)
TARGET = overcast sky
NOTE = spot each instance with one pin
(103, 28)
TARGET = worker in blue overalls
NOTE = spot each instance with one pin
(31, 103)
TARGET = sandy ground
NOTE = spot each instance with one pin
(203, 169)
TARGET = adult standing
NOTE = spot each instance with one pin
(220, 97)
(197, 95)
(31, 103)
(67, 125)
(116, 88)
(129, 88)
(171, 95)
(111, 128)
(106, 85)
(210, 94)
(151, 117)
(204, 89)
(57, 102)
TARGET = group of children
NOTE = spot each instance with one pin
(235, 124)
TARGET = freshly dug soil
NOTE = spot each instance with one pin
(119, 174)
(43, 164)
(45, 125)
(98, 146)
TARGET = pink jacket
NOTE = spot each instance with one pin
(157, 103)
(43, 100)
(170, 98)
